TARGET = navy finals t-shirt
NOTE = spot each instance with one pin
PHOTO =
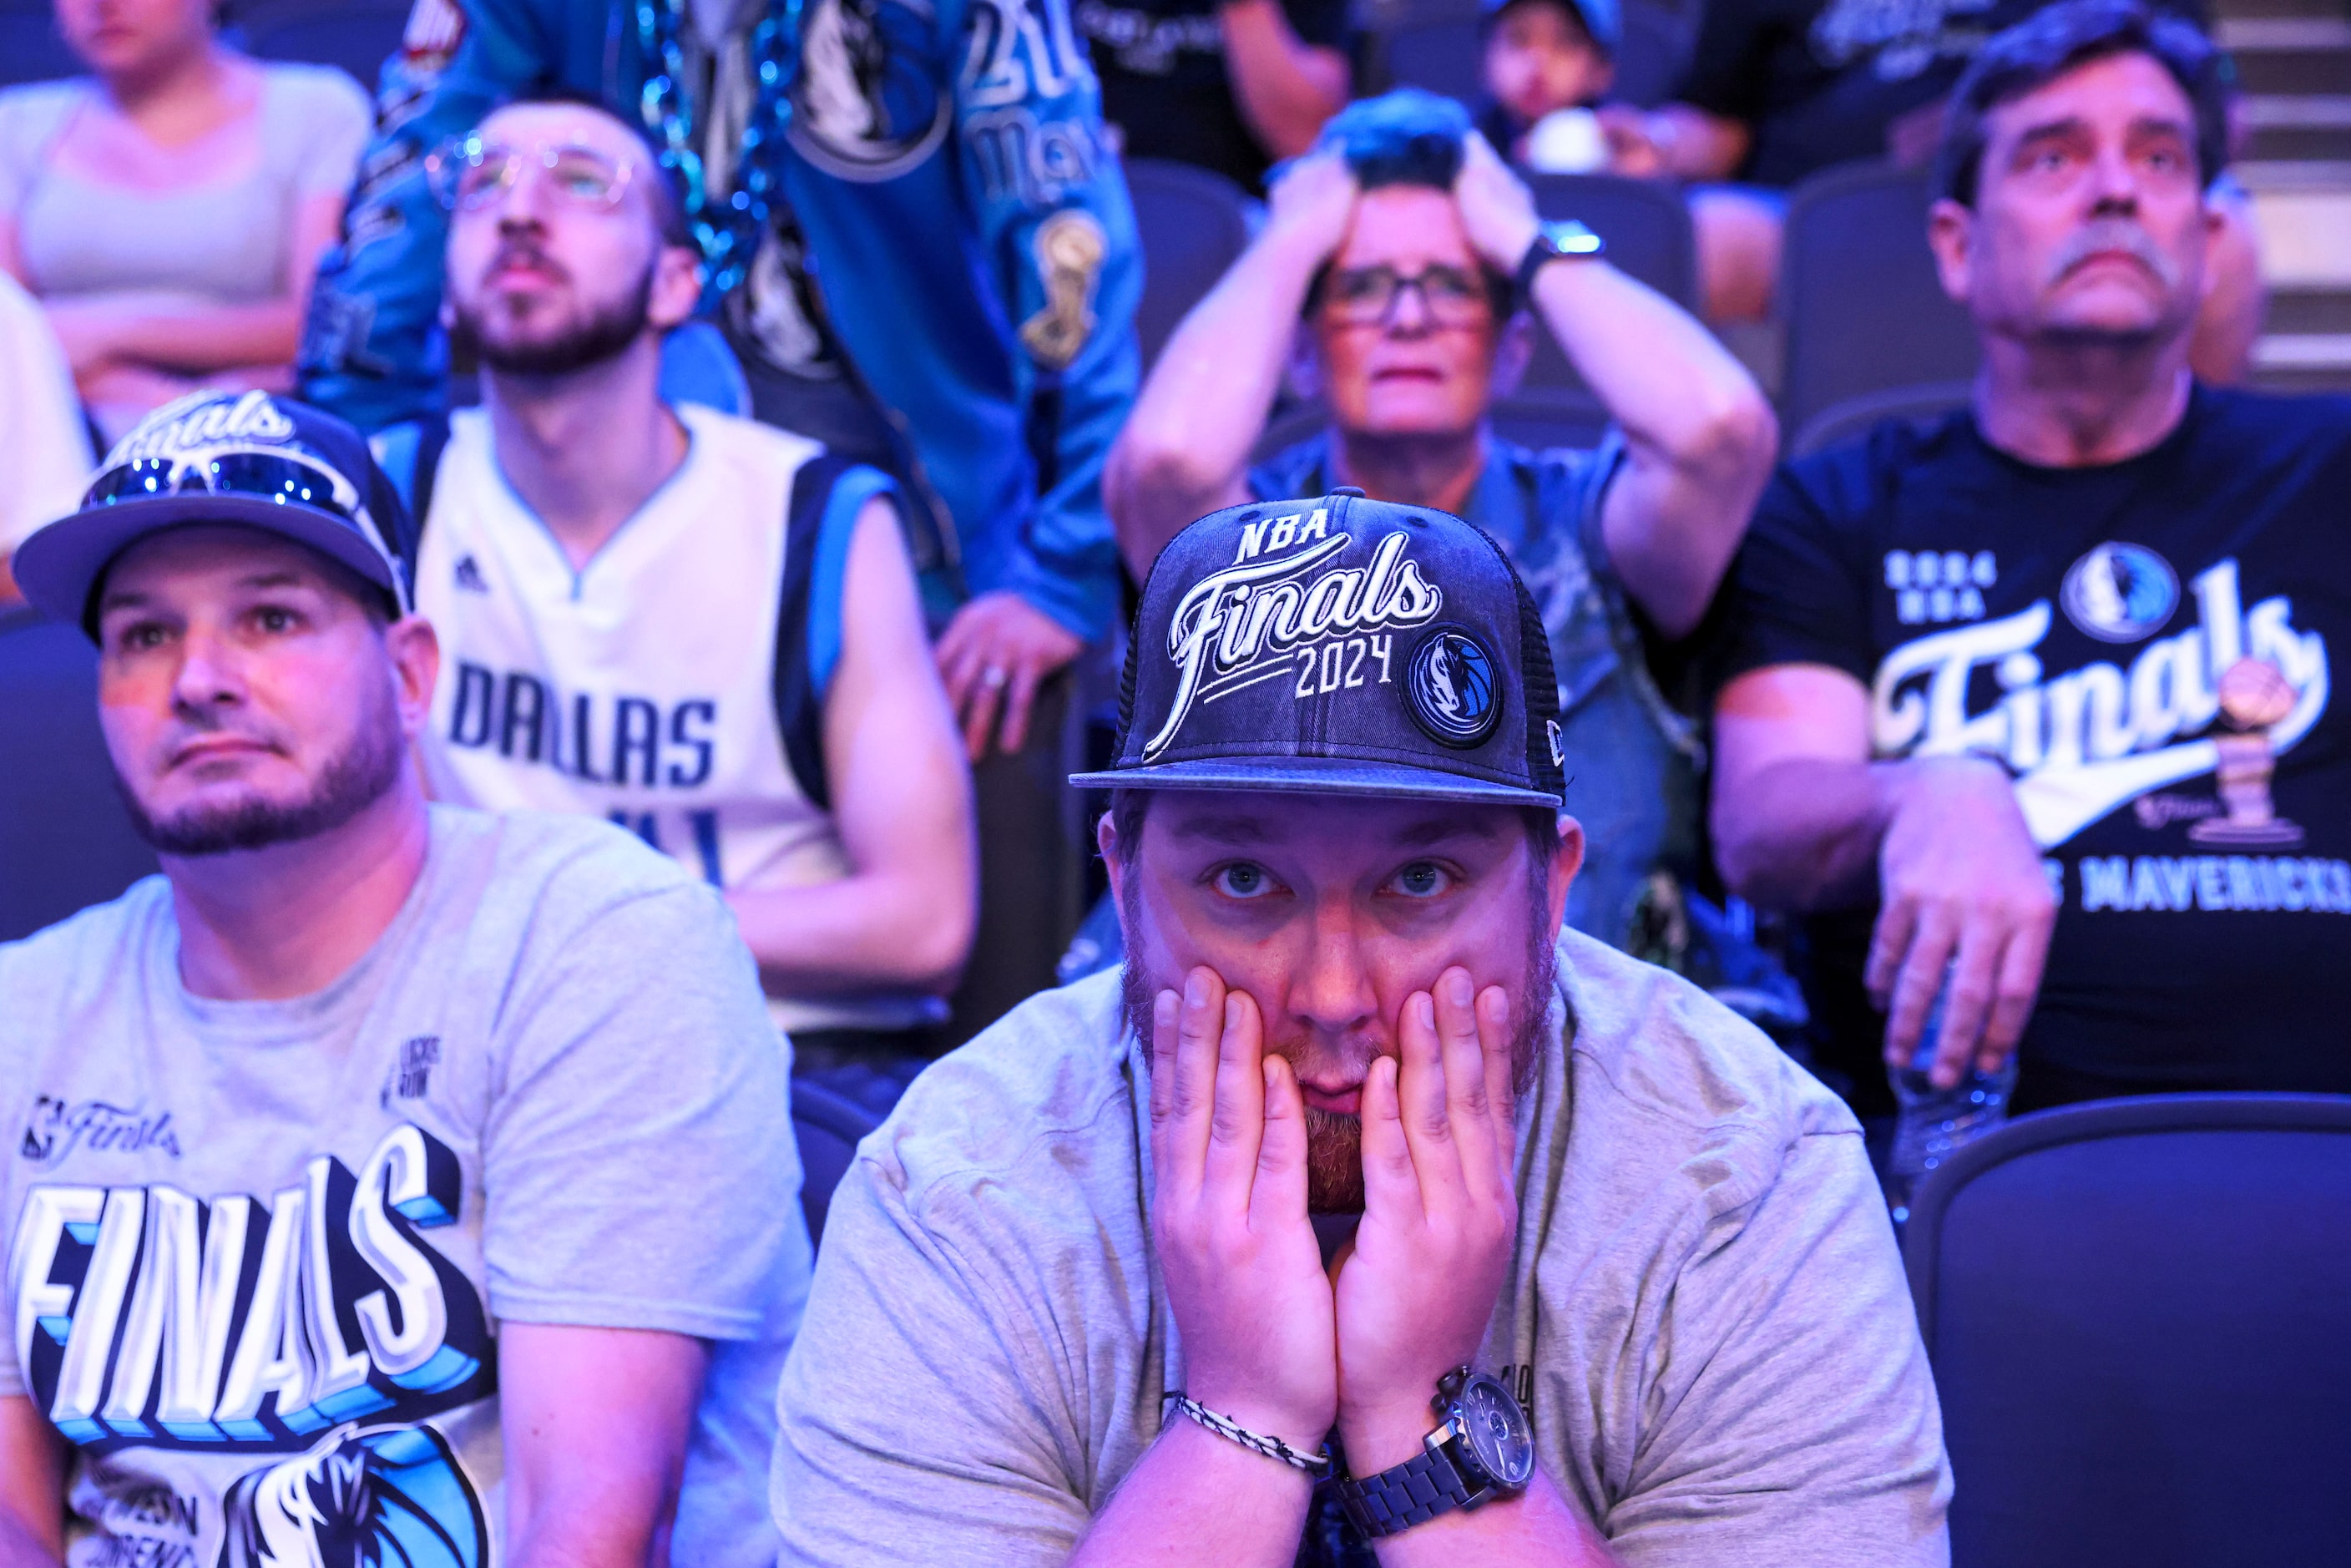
(2147, 647)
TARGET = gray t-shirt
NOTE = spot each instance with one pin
(1705, 1310)
(261, 1250)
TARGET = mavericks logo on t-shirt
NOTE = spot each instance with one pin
(2089, 740)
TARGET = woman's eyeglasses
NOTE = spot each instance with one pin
(1367, 296)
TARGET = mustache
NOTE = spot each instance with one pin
(2103, 236)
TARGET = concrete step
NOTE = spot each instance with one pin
(2284, 54)
(2229, 11)
(2296, 313)
(2291, 129)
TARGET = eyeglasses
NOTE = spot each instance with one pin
(470, 175)
(1367, 296)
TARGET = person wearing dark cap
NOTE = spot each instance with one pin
(1367, 1210)
(1543, 68)
(1402, 274)
(393, 1182)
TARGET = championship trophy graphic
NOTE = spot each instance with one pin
(2254, 694)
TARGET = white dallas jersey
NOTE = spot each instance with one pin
(675, 683)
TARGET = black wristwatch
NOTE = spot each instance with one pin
(1552, 242)
(1482, 1449)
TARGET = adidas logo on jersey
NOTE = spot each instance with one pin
(469, 575)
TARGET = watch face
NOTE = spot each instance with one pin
(1495, 1437)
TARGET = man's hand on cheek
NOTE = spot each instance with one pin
(1244, 1272)
(1440, 1212)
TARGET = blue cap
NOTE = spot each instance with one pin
(266, 462)
(1602, 19)
(1338, 646)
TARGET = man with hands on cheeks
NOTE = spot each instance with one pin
(1403, 273)
(1367, 1216)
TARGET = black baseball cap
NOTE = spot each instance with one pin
(227, 457)
(1338, 646)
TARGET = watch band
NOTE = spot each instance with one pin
(1553, 242)
(1414, 1492)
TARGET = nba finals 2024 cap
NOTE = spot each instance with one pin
(265, 462)
(1338, 646)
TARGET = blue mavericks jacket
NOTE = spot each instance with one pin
(936, 171)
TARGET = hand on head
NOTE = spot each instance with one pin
(1264, 1330)
(1498, 211)
(1314, 200)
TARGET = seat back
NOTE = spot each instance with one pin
(1865, 310)
(1854, 417)
(2139, 1317)
(357, 35)
(66, 840)
(828, 1128)
(31, 48)
(1193, 224)
(1647, 227)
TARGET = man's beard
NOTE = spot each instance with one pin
(353, 780)
(602, 334)
(1335, 1140)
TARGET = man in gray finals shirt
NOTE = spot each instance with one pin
(1566, 1261)
(384, 1184)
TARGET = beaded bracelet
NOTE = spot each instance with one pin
(1316, 1464)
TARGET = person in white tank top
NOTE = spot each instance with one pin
(697, 626)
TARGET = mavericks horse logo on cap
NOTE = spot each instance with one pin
(1449, 688)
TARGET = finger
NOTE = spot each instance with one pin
(1277, 1196)
(1237, 1123)
(1915, 985)
(1494, 1035)
(1389, 1184)
(1420, 1081)
(1199, 1026)
(958, 663)
(1967, 1001)
(1021, 694)
(2018, 984)
(980, 718)
(1896, 924)
(1469, 1115)
(1166, 1009)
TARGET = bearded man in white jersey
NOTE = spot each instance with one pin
(701, 627)
(386, 1182)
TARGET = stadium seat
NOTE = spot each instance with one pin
(66, 840)
(828, 1128)
(2139, 1317)
(1550, 416)
(357, 34)
(1865, 310)
(1193, 223)
(30, 46)
(1855, 416)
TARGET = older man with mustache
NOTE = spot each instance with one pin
(2027, 686)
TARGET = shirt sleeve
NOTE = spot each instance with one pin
(914, 1420)
(44, 447)
(1058, 230)
(1728, 70)
(370, 351)
(1797, 594)
(638, 1161)
(1832, 1455)
(331, 130)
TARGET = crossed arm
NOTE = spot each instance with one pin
(1273, 1342)
(595, 1422)
(903, 917)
